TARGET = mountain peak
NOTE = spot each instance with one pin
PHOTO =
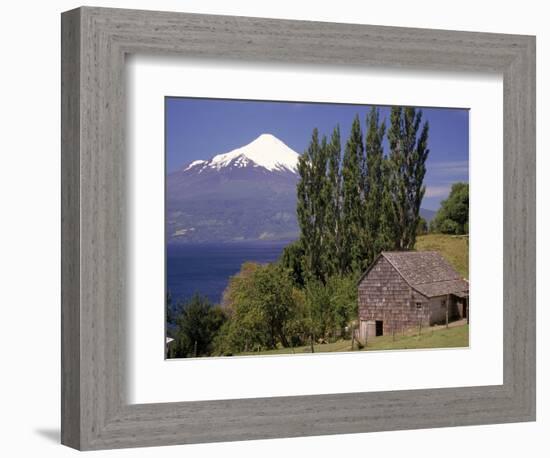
(265, 137)
(265, 151)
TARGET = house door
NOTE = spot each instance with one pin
(379, 328)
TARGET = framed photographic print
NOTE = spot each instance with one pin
(286, 228)
(274, 252)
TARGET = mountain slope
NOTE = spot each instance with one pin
(428, 215)
(245, 194)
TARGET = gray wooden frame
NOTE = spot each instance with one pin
(95, 414)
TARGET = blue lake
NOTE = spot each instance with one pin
(206, 268)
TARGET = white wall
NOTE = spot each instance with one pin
(29, 229)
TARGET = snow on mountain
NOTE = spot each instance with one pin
(266, 151)
(193, 164)
(246, 194)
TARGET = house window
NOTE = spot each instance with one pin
(443, 303)
(419, 305)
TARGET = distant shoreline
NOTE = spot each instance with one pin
(231, 242)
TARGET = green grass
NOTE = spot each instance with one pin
(454, 248)
(456, 336)
(438, 337)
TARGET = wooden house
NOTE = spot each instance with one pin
(406, 289)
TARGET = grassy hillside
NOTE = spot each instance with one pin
(440, 337)
(454, 249)
(456, 336)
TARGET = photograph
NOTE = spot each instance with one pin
(303, 228)
(242, 229)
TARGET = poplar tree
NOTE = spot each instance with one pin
(333, 223)
(352, 200)
(304, 205)
(408, 154)
(376, 240)
(321, 242)
(311, 206)
(387, 226)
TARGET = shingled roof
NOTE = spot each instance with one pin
(427, 272)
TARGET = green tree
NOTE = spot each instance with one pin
(312, 205)
(273, 296)
(292, 259)
(408, 154)
(196, 327)
(333, 216)
(319, 309)
(422, 227)
(453, 215)
(170, 318)
(246, 329)
(330, 306)
(343, 299)
(297, 326)
(387, 230)
(352, 200)
(374, 187)
(260, 304)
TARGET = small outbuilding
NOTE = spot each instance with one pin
(406, 289)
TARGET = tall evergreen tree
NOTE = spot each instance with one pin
(408, 154)
(311, 206)
(352, 200)
(322, 197)
(374, 186)
(333, 224)
(304, 205)
(292, 259)
(387, 227)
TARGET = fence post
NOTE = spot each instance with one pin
(447, 300)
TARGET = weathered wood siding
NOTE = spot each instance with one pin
(384, 295)
(438, 312)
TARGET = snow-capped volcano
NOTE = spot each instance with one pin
(266, 151)
(246, 194)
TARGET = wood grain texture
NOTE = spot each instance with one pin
(95, 412)
(70, 229)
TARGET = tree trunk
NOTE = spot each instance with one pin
(283, 338)
(272, 335)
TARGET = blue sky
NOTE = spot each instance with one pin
(202, 128)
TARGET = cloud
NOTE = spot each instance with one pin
(437, 191)
(449, 168)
